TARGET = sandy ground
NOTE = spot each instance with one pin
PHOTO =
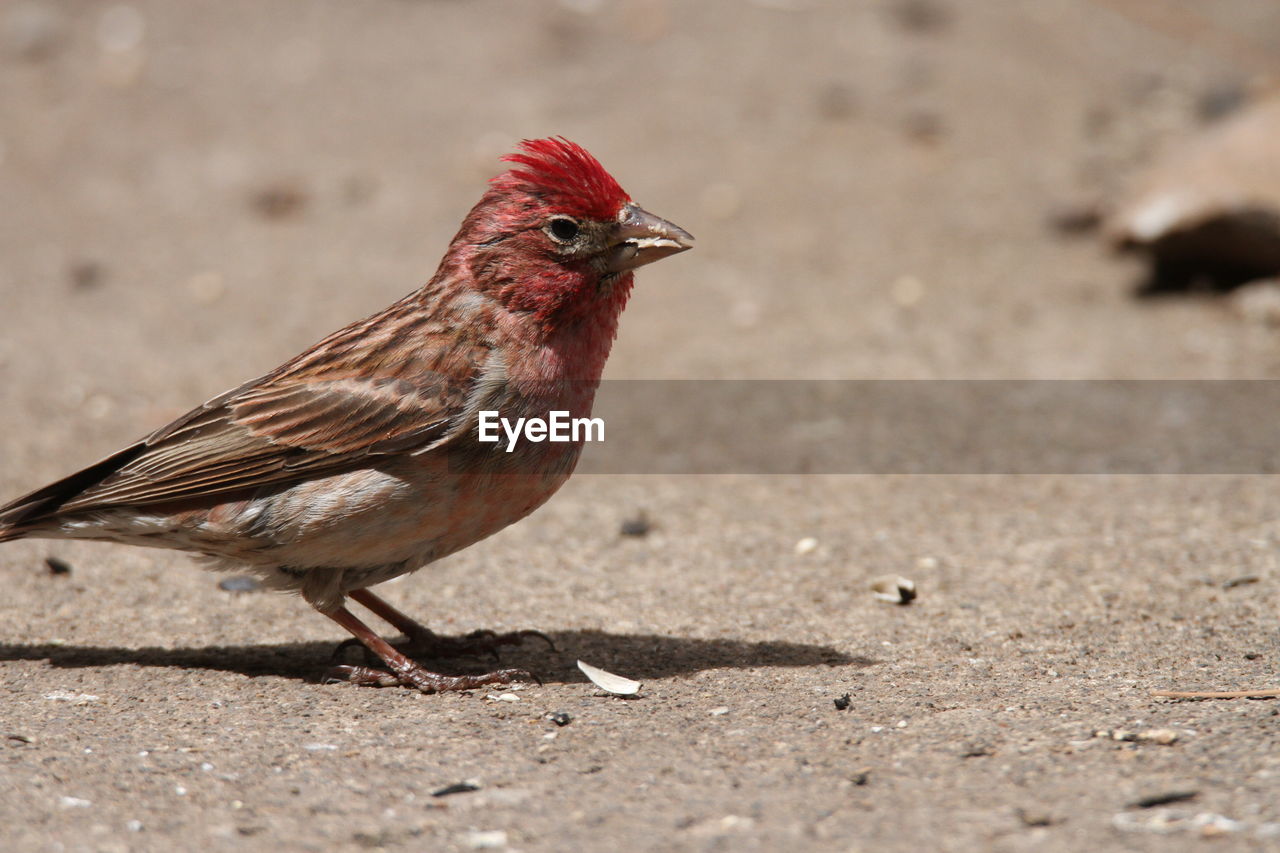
(193, 192)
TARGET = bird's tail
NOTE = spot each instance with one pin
(33, 513)
(8, 534)
(11, 523)
(14, 521)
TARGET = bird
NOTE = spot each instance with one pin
(360, 459)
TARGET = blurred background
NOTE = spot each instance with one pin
(893, 189)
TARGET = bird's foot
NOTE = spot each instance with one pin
(423, 679)
(401, 669)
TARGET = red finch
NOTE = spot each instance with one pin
(360, 459)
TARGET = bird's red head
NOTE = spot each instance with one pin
(556, 237)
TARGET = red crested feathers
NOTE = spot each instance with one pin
(565, 176)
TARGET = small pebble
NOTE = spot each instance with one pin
(807, 545)
(488, 839)
(894, 589)
(457, 788)
(719, 712)
(925, 128)
(1240, 581)
(1221, 100)
(1035, 817)
(1164, 737)
(637, 525)
(927, 17)
(560, 718)
(1075, 218)
(57, 567)
(279, 201)
(239, 584)
(86, 275)
(73, 698)
(842, 703)
(1164, 798)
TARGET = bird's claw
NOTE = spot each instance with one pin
(433, 682)
(364, 676)
(423, 679)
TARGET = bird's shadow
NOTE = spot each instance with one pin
(641, 656)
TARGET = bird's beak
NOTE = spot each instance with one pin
(643, 238)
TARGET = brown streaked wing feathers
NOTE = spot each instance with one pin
(327, 410)
(278, 433)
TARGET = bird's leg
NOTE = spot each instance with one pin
(403, 670)
(425, 642)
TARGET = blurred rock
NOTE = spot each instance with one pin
(636, 526)
(1221, 100)
(894, 589)
(1208, 213)
(86, 275)
(33, 31)
(1075, 218)
(927, 17)
(1258, 302)
(240, 583)
(281, 200)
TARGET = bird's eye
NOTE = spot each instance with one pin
(563, 229)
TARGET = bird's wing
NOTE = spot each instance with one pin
(281, 429)
(281, 433)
